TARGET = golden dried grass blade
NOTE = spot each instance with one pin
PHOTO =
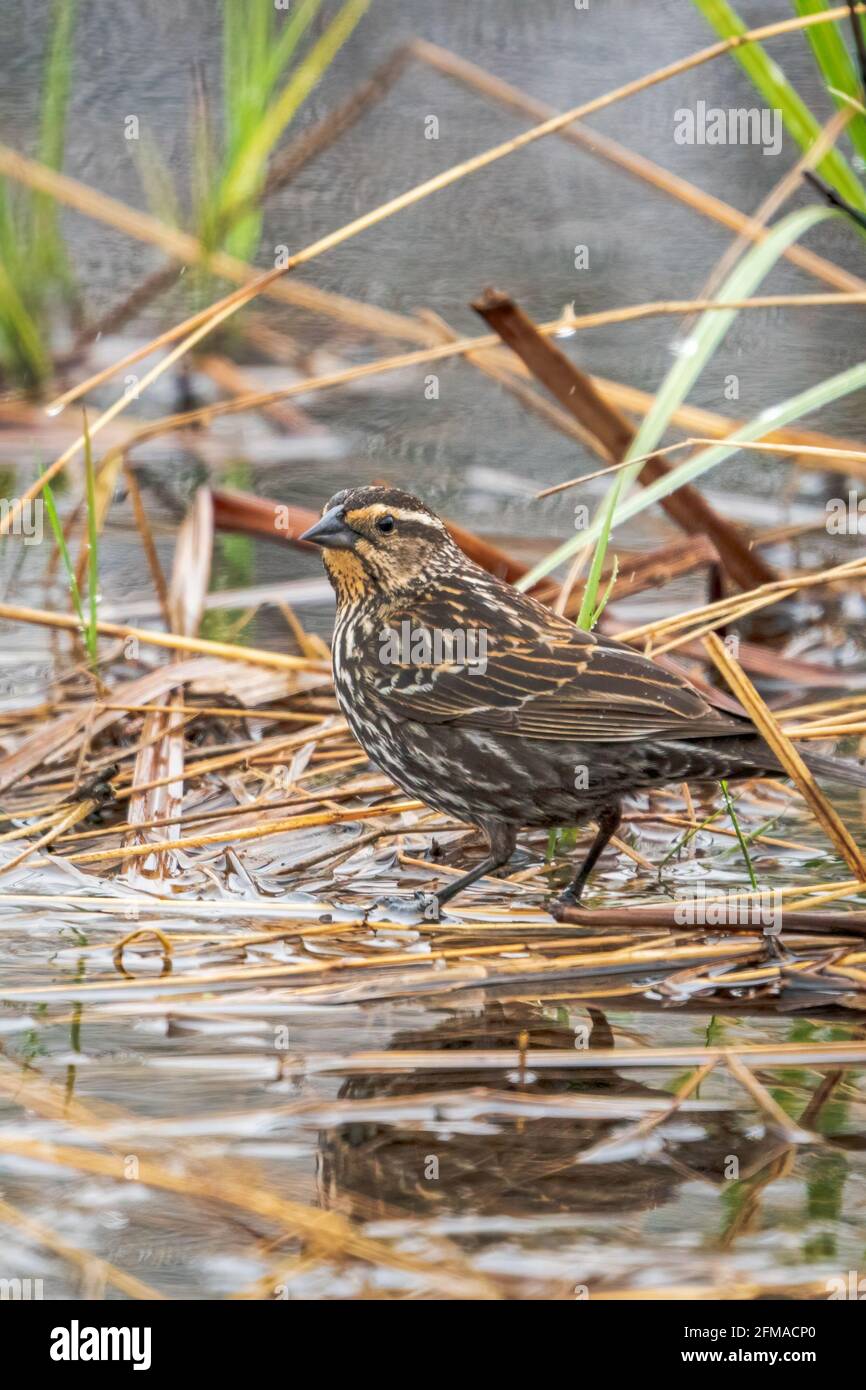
(791, 761)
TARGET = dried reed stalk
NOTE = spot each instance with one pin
(256, 656)
(776, 739)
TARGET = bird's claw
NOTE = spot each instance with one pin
(556, 906)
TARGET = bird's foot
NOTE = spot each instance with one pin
(776, 951)
(569, 898)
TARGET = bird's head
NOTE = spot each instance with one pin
(378, 538)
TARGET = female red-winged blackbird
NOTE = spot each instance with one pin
(475, 698)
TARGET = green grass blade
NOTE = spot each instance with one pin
(290, 36)
(686, 839)
(47, 250)
(772, 84)
(255, 55)
(614, 574)
(244, 178)
(235, 73)
(55, 93)
(590, 607)
(754, 266)
(24, 341)
(10, 242)
(57, 529)
(747, 275)
(260, 16)
(257, 49)
(90, 633)
(777, 417)
(33, 261)
(744, 848)
(835, 65)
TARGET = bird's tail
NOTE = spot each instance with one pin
(836, 769)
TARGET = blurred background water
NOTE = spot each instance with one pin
(474, 450)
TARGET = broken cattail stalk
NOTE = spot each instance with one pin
(258, 832)
(576, 393)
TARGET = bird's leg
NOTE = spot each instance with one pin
(502, 840)
(608, 821)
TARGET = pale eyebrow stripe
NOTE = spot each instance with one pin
(380, 509)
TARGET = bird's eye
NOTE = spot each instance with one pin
(385, 524)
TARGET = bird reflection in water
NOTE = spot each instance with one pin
(491, 1164)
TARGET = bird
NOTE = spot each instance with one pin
(489, 707)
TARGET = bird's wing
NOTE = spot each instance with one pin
(528, 673)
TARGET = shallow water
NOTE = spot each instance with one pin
(504, 1197)
(489, 1181)
(473, 1181)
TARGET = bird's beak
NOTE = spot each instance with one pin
(331, 532)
